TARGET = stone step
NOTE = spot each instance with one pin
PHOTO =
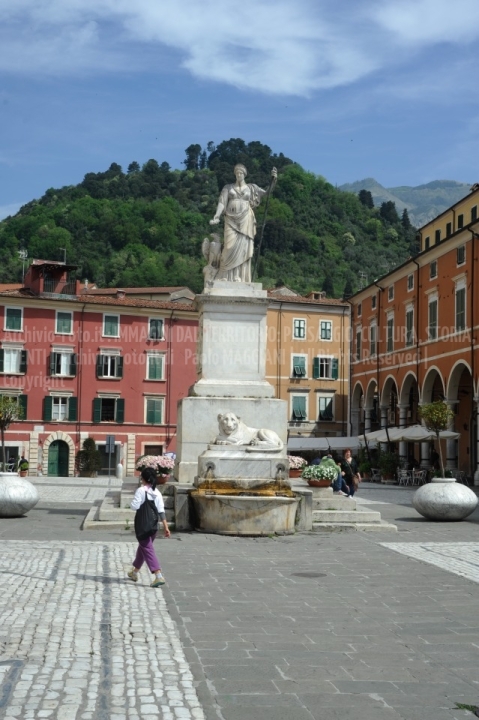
(344, 516)
(365, 527)
(334, 503)
(116, 520)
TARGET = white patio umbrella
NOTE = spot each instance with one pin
(418, 433)
(383, 435)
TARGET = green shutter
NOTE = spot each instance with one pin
(14, 319)
(73, 364)
(23, 361)
(156, 329)
(22, 404)
(2, 352)
(150, 411)
(299, 408)
(96, 410)
(47, 408)
(53, 363)
(120, 410)
(99, 366)
(316, 368)
(64, 323)
(299, 366)
(119, 367)
(334, 368)
(111, 326)
(72, 409)
(155, 367)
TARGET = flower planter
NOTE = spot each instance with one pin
(295, 472)
(162, 479)
(319, 483)
(444, 499)
(17, 496)
(23, 473)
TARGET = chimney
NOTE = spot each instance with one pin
(120, 294)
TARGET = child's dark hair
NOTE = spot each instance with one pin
(149, 476)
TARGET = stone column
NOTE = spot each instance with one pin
(355, 421)
(367, 419)
(476, 474)
(402, 424)
(451, 445)
(384, 423)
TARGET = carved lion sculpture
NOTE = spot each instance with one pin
(233, 431)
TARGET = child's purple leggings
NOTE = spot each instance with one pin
(146, 553)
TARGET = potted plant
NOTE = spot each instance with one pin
(88, 459)
(322, 475)
(442, 498)
(388, 463)
(163, 464)
(17, 494)
(23, 468)
(296, 465)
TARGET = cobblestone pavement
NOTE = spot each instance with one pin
(78, 641)
(315, 626)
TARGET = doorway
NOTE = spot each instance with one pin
(58, 455)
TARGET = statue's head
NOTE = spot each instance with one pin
(240, 168)
(228, 422)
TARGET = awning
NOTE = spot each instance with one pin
(413, 433)
(297, 444)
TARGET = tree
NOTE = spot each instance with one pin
(193, 154)
(348, 289)
(366, 198)
(10, 411)
(133, 167)
(88, 459)
(328, 286)
(436, 416)
(405, 221)
(388, 212)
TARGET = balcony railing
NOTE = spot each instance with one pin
(59, 287)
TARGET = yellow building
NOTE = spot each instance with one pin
(307, 361)
(449, 222)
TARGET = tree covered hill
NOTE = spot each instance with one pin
(145, 226)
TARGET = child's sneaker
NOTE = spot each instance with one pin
(159, 580)
(133, 575)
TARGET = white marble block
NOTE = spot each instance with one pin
(231, 354)
(198, 425)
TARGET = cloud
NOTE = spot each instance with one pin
(280, 47)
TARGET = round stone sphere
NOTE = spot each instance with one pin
(444, 499)
(17, 495)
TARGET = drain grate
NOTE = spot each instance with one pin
(309, 574)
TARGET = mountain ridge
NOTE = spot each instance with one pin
(423, 202)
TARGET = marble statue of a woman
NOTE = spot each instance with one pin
(237, 201)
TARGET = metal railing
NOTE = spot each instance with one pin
(59, 287)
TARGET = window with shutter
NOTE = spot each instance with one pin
(326, 329)
(119, 367)
(460, 309)
(409, 327)
(120, 410)
(13, 319)
(99, 366)
(2, 356)
(334, 368)
(47, 408)
(432, 324)
(155, 367)
(64, 323)
(73, 364)
(299, 366)
(156, 329)
(316, 368)
(299, 408)
(97, 410)
(111, 326)
(72, 409)
(326, 408)
(23, 403)
(299, 329)
(23, 361)
(154, 411)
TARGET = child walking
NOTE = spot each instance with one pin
(147, 493)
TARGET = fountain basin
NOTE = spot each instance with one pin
(244, 515)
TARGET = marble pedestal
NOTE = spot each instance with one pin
(198, 425)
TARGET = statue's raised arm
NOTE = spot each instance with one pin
(237, 202)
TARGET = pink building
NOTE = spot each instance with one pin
(93, 364)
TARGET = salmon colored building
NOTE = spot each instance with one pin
(415, 337)
(308, 361)
(93, 364)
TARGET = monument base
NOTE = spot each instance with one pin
(198, 426)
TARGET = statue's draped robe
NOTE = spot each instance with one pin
(240, 230)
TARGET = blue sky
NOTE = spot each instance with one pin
(364, 88)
